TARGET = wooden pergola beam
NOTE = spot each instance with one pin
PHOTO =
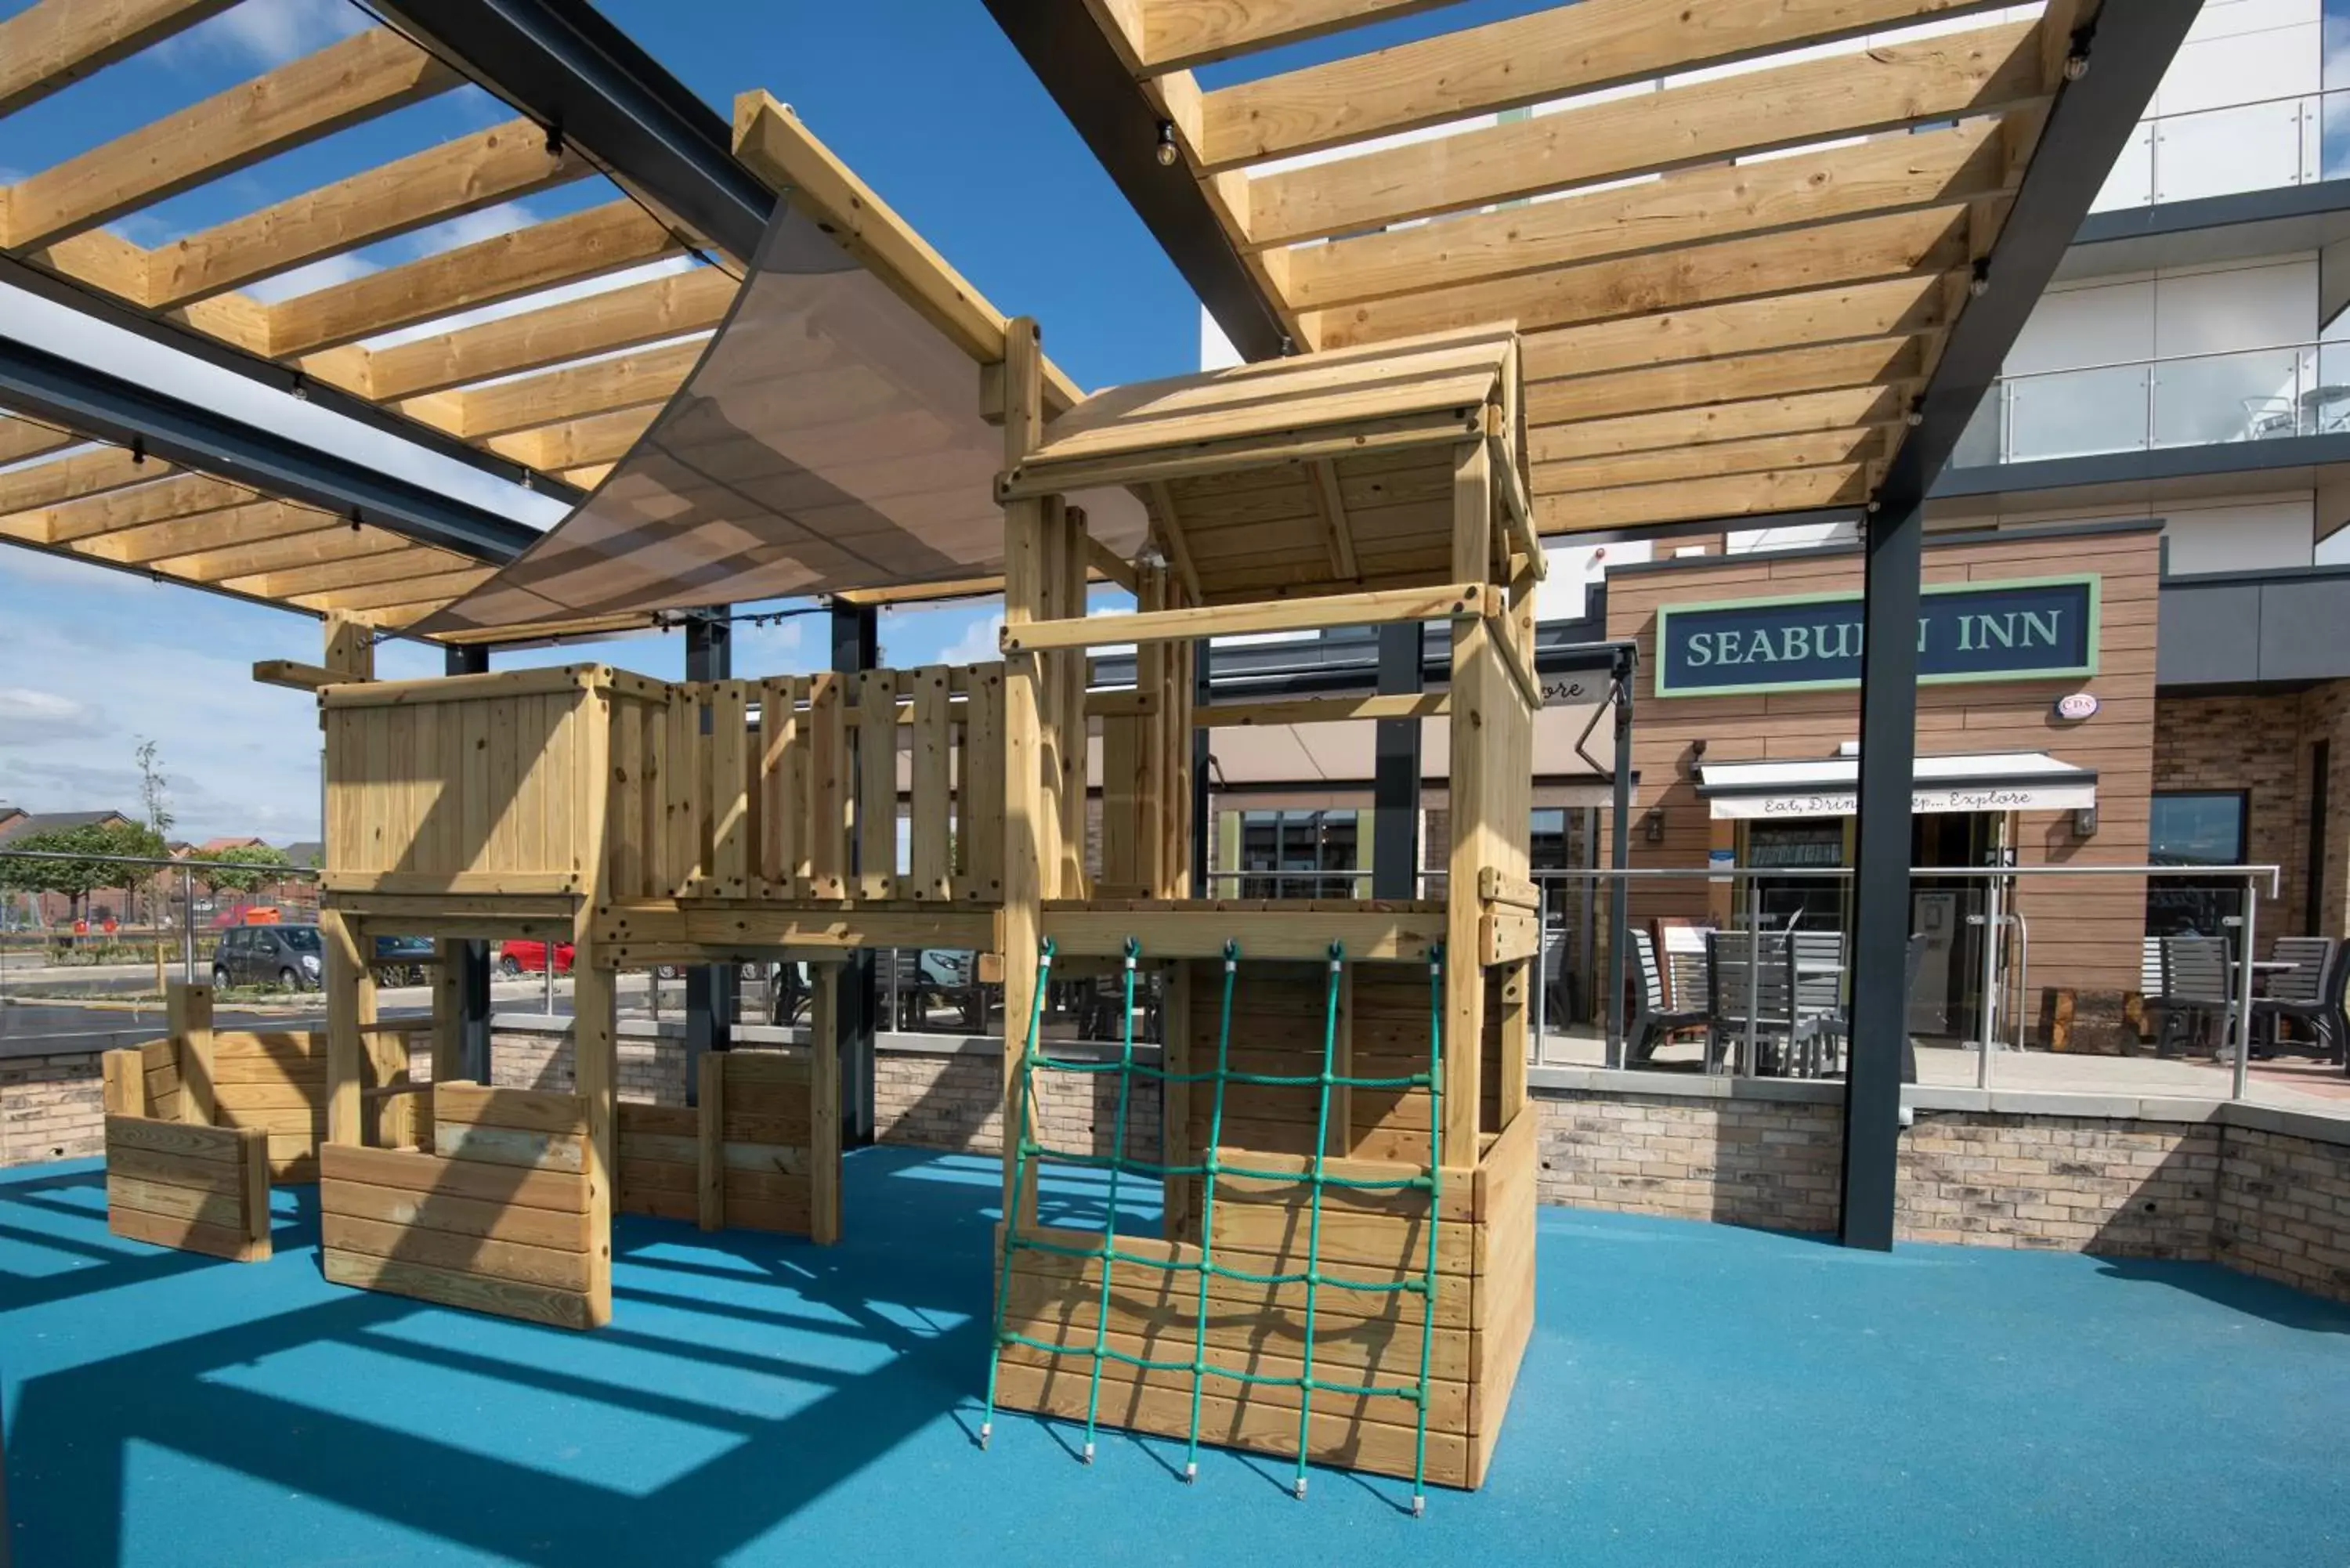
(75, 476)
(243, 562)
(1896, 308)
(1900, 173)
(1714, 460)
(374, 562)
(631, 380)
(21, 438)
(1878, 363)
(1846, 409)
(1984, 71)
(562, 250)
(439, 589)
(619, 318)
(1524, 60)
(598, 438)
(1740, 495)
(252, 523)
(364, 75)
(57, 43)
(180, 496)
(457, 177)
(1767, 268)
(1174, 34)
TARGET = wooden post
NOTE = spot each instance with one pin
(253, 1151)
(1516, 1016)
(188, 1006)
(1074, 742)
(1175, 1098)
(448, 1010)
(595, 1042)
(1339, 1139)
(824, 1107)
(1478, 691)
(1024, 788)
(124, 1071)
(709, 1127)
(350, 1010)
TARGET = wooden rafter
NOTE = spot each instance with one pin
(252, 522)
(367, 75)
(1865, 406)
(55, 43)
(1738, 495)
(439, 587)
(21, 438)
(1761, 454)
(72, 477)
(1520, 61)
(1877, 363)
(1324, 475)
(180, 496)
(532, 340)
(362, 563)
(1977, 72)
(499, 164)
(598, 438)
(631, 380)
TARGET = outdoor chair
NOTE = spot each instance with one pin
(2312, 991)
(1752, 978)
(1659, 1017)
(1815, 980)
(2195, 992)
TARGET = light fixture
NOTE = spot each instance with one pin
(1979, 284)
(1167, 152)
(2084, 822)
(1652, 826)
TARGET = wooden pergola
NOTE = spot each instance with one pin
(1735, 236)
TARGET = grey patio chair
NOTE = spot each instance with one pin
(2312, 991)
(1816, 981)
(1751, 975)
(2195, 989)
(1659, 1017)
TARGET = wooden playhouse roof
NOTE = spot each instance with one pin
(1315, 473)
(1735, 235)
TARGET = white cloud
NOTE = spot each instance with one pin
(324, 272)
(28, 716)
(267, 32)
(979, 644)
(471, 228)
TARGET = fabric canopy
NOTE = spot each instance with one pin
(830, 438)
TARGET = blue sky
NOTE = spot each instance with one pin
(923, 98)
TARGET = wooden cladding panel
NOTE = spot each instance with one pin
(507, 1237)
(197, 1189)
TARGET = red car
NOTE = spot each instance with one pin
(523, 956)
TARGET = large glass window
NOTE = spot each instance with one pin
(2193, 828)
(1550, 847)
(1286, 851)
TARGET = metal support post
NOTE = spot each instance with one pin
(473, 957)
(1542, 965)
(1395, 786)
(1989, 1012)
(2242, 1011)
(1202, 825)
(1750, 1049)
(188, 924)
(1619, 895)
(855, 644)
(710, 990)
(1895, 543)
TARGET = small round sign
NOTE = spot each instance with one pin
(2076, 705)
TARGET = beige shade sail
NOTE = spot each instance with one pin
(830, 438)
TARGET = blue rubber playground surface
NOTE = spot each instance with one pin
(1694, 1394)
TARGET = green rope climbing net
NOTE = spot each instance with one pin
(1028, 1153)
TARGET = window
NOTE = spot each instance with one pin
(1287, 849)
(1550, 845)
(2204, 829)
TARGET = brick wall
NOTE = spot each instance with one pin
(51, 1108)
(954, 1100)
(2283, 1211)
(2252, 744)
(2074, 1184)
(1768, 1163)
(653, 1068)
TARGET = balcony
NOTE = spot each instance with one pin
(2261, 146)
(2204, 399)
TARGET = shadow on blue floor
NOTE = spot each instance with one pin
(1694, 1394)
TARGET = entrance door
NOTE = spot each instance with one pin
(1947, 999)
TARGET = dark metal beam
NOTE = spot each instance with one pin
(106, 407)
(2118, 61)
(109, 311)
(1395, 783)
(712, 990)
(560, 62)
(1070, 55)
(472, 957)
(1619, 852)
(856, 646)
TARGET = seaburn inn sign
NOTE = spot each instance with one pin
(2027, 630)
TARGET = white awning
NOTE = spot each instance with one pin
(1829, 786)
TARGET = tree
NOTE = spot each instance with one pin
(155, 795)
(242, 869)
(84, 871)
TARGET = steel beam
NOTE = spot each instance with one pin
(2117, 60)
(472, 957)
(1066, 49)
(1395, 768)
(561, 63)
(109, 311)
(856, 646)
(712, 990)
(106, 407)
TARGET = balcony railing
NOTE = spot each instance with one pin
(2261, 146)
(2252, 394)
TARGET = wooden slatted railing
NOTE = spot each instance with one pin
(790, 789)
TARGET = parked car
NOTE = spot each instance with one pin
(523, 955)
(287, 957)
(400, 960)
(912, 984)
